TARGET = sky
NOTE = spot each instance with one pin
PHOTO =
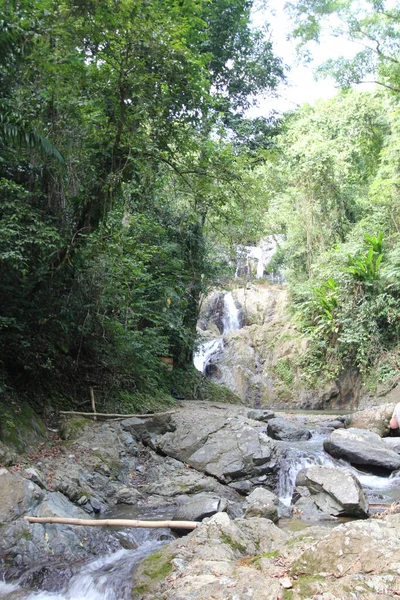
(302, 86)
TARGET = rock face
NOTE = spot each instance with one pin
(361, 447)
(335, 491)
(258, 361)
(228, 448)
(280, 429)
(207, 563)
(262, 503)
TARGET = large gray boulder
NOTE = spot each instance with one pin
(200, 506)
(229, 449)
(262, 503)
(361, 447)
(280, 429)
(335, 491)
(18, 496)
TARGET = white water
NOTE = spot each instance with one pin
(231, 318)
(299, 455)
(259, 257)
(206, 351)
(107, 578)
(209, 349)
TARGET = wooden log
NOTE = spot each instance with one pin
(92, 401)
(115, 522)
(115, 416)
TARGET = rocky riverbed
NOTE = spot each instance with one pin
(252, 469)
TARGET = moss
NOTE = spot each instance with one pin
(307, 585)
(20, 427)
(72, 427)
(237, 546)
(157, 566)
(151, 571)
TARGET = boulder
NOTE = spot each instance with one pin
(229, 449)
(262, 503)
(374, 419)
(281, 429)
(18, 496)
(362, 448)
(335, 491)
(260, 415)
(200, 506)
(213, 563)
(139, 427)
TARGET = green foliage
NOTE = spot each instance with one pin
(115, 164)
(375, 25)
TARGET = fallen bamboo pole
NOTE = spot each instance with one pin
(111, 416)
(115, 522)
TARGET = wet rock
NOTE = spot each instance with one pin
(335, 491)
(96, 505)
(29, 544)
(363, 448)
(281, 429)
(200, 506)
(262, 503)
(127, 496)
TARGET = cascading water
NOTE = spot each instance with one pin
(209, 349)
(294, 458)
(106, 578)
(206, 352)
(231, 317)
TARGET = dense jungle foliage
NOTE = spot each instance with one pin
(333, 187)
(129, 171)
(122, 141)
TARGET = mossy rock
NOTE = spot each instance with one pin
(151, 571)
(20, 427)
(71, 428)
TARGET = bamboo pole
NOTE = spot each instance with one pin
(115, 522)
(115, 416)
(93, 403)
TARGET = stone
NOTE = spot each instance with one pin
(335, 491)
(228, 448)
(374, 419)
(200, 506)
(363, 448)
(35, 476)
(18, 496)
(262, 503)
(260, 415)
(281, 429)
(96, 505)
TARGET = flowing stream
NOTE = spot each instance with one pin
(109, 577)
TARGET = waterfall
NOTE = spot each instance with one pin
(107, 578)
(209, 349)
(231, 317)
(296, 457)
(205, 352)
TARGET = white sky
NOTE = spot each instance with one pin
(301, 86)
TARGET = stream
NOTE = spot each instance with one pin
(111, 577)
